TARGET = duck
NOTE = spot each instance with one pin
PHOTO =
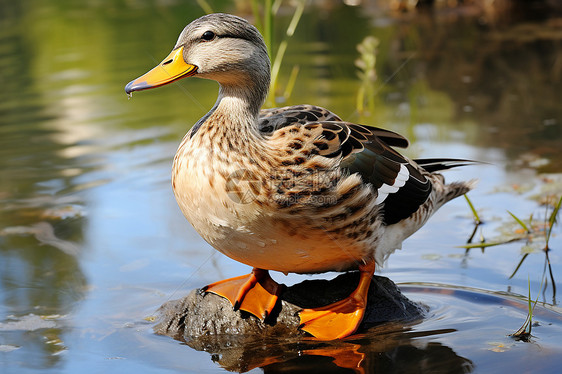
(295, 189)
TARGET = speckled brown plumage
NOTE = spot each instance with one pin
(296, 183)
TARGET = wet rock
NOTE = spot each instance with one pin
(198, 319)
(239, 342)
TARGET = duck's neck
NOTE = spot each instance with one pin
(246, 99)
(235, 112)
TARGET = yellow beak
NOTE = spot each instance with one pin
(172, 68)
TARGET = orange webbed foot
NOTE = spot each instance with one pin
(342, 318)
(334, 321)
(256, 293)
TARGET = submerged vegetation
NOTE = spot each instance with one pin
(537, 236)
(524, 332)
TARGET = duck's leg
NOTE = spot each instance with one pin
(342, 318)
(256, 292)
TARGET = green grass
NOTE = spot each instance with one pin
(524, 332)
(269, 12)
(532, 231)
(475, 215)
(551, 221)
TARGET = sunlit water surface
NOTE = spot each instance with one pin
(92, 242)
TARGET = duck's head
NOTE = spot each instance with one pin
(221, 47)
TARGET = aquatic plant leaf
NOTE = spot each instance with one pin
(521, 333)
(488, 244)
(529, 320)
(531, 248)
(552, 221)
(524, 332)
(520, 222)
(474, 212)
(518, 265)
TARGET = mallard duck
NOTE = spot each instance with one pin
(293, 189)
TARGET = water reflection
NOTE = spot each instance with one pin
(41, 229)
(496, 79)
(398, 347)
(386, 348)
(507, 78)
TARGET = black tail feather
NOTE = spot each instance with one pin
(436, 164)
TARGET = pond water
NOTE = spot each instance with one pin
(92, 242)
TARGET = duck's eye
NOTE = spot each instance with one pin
(208, 35)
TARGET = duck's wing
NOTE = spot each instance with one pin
(401, 185)
(271, 120)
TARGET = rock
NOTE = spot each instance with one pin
(208, 322)
(240, 342)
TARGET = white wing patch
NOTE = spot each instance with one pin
(400, 181)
